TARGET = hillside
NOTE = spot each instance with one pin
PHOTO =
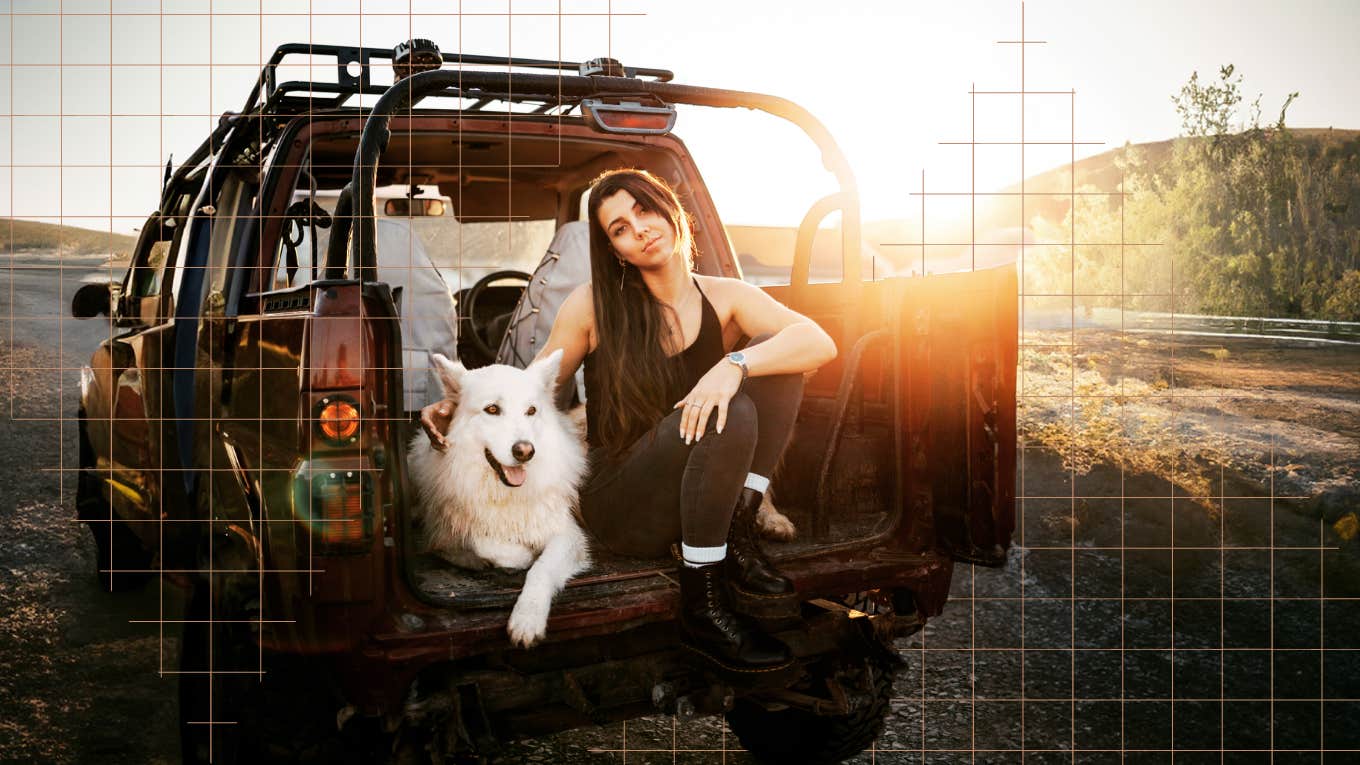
(1001, 223)
(1102, 172)
(1262, 222)
(31, 236)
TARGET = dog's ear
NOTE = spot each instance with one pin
(450, 374)
(546, 369)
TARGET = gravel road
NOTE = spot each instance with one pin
(1075, 652)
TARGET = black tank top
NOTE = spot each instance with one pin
(691, 364)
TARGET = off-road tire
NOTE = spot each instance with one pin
(288, 715)
(798, 736)
(115, 545)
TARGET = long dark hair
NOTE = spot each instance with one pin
(634, 374)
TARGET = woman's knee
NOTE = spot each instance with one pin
(787, 387)
(771, 391)
(742, 419)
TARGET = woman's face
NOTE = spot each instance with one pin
(641, 237)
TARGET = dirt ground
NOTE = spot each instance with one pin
(1133, 619)
(1285, 416)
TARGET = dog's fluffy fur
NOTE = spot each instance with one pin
(473, 516)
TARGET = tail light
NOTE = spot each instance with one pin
(333, 488)
(337, 420)
(336, 505)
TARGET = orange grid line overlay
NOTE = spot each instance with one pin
(973, 599)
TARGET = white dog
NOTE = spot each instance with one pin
(505, 492)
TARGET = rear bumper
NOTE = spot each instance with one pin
(585, 630)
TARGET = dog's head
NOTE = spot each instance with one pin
(503, 412)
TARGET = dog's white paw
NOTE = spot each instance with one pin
(529, 620)
(773, 524)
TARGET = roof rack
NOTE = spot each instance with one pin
(353, 67)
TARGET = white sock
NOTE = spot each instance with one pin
(702, 556)
(758, 482)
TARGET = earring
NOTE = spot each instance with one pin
(623, 272)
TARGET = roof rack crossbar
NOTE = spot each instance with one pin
(443, 82)
(267, 86)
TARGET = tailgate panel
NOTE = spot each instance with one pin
(958, 356)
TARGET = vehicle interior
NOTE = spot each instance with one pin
(509, 194)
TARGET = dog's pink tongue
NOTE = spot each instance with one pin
(514, 475)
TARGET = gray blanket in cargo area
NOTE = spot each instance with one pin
(429, 318)
(564, 267)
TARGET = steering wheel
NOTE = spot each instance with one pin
(478, 341)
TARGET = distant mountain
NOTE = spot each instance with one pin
(1102, 172)
(31, 236)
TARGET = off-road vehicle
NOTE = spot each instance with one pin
(243, 430)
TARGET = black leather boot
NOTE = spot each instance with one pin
(721, 639)
(758, 589)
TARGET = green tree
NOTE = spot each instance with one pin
(1208, 110)
(1248, 219)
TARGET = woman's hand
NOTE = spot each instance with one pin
(435, 419)
(714, 390)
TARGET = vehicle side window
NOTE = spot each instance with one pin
(231, 221)
(160, 259)
(147, 274)
(297, 235)
(148, 261)
(764, 175)
(296, 248)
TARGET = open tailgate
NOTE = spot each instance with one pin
(957, 345)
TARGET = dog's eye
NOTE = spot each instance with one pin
(492, 409)
(532, 411)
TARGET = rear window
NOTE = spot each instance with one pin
(462, 252)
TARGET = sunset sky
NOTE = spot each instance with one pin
(95, 97)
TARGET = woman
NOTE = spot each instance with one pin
(683, 435)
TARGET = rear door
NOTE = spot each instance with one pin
(910, 431)
(935, 357)
(956, 340)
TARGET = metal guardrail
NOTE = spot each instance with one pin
(1319, 331)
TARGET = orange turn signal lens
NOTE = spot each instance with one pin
(339, 420)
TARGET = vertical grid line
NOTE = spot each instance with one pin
(972, 572)
(9, 365)
(1072, 482)
(1024, 693)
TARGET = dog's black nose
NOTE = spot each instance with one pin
(522, 451)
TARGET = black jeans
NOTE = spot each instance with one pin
(661, 490)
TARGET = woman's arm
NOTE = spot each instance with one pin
(572, 330)
(796, 345)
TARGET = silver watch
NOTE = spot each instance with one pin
(739, 358)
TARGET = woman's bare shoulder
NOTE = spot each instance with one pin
(720, 286)
(723, 291)
(579, 305)
(578, 311)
